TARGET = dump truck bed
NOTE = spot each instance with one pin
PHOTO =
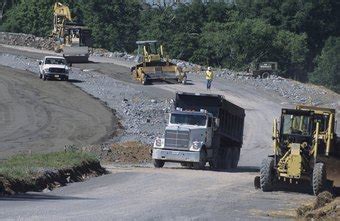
(76, 54)
(231, 116)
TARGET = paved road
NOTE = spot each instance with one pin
(172, 193)
(45, 116)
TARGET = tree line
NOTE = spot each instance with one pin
(303, 36)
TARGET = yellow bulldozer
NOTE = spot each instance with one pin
(153, 65)
(71, 39)
(305, 144)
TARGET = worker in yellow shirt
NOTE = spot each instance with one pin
(209, 75)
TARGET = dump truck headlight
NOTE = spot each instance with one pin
(158, 142)
(196, 145)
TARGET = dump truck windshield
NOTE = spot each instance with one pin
(296, 124)
(199, 120)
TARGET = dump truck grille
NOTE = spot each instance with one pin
(177, 139)
(57, 70)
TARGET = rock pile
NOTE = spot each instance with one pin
(26, 40)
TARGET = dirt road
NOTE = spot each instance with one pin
(46, 116)
(172, 193)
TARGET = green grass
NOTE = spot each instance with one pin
(27, 167)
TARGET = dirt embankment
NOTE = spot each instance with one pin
(50, 179)
(324, 207)
(130, 152)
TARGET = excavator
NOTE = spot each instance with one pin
(71, 39)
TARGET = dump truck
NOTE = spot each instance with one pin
(153, 65)
(71, 39)
(201, 128)
(263, 69)
(304, 144)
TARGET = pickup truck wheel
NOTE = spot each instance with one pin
(66, 78)
(40, 76)
(158, 163)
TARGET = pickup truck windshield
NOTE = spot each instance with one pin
(199, 120)
(55, 61)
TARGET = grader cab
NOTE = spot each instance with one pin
(303, 144)
(153, 65)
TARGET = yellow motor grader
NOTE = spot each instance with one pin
(152, 64)
(304, 144)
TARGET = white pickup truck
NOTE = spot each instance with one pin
(53, 67)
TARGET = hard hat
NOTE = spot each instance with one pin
(209, 68)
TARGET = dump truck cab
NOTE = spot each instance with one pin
(303, 143)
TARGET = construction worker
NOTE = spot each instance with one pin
(209, 75)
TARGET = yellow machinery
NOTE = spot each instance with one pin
(70, 39)
(303, 144)
(153, 66)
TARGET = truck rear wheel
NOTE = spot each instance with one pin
(265, 75)
(235, 157)
(158, 163)
(319, 178)
(228, 158)
(267, 174)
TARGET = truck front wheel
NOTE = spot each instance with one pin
(319, 178)
(158, 163)
(203, 160)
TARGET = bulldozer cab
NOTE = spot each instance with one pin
(149, 51)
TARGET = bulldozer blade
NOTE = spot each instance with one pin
(257, 184)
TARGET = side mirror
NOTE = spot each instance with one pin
(166, 117)
(40, 62)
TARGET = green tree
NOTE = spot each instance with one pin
(327, 71)
(33, 17)
(114, 24)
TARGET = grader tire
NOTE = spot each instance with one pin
(319, 178)
(266, 174)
